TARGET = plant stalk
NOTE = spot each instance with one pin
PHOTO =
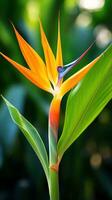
(54, 185)
(54, 113)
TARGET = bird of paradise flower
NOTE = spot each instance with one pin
(48, 76)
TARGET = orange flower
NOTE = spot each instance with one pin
(46, 75)
(49, 75)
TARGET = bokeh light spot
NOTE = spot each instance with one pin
(96, 160)
(103, 36)
(91, 4)
(32, 12)
(84, 19)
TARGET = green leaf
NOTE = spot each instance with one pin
(87, 100)
(8, 133)
(31, 135)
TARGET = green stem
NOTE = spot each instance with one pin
(54, 185)
(53, 173)
(53, 157)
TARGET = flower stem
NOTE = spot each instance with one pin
(53, 157)
(54, 185)
(53, 173)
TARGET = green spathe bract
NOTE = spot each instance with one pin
(87, 100)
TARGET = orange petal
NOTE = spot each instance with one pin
(30, 75)
(74, 79)
(33, 60)
(59, 58)
(49, 57)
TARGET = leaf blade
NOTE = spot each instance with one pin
(87, 105)
(31, 135)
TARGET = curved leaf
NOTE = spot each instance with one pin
(87, 100)
(31, 135)
(8, 133)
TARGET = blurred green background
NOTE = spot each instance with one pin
(86, 169)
